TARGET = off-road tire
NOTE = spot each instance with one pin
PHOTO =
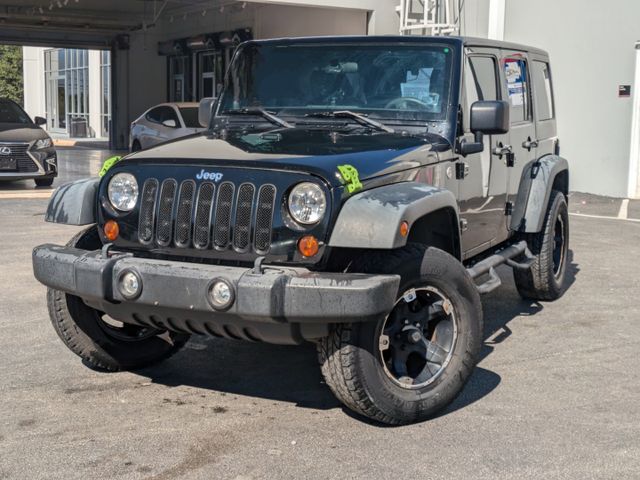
(44, 182)
(540, 282)
(349, 356)
(78, 326)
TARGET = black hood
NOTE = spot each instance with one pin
(315, 151)
(20, 132)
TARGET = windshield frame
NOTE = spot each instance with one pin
(445, 126)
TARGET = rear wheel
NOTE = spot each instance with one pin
(135, 146)
(545, 280)
(103, 342)
(413, 363)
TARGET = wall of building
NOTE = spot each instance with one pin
(33, 73)
(592, 53)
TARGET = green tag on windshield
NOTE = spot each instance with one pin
(108, 163)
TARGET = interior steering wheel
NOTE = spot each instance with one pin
(406, 103)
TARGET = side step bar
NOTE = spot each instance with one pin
(489, 264)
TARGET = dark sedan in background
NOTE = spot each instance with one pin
(26, 150)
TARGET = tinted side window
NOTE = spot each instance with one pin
(168, 113)
(515, 71)
(155, 115)
(541, 78)
(483, 73)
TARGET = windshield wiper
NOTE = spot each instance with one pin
(361, 119)
(257, 111)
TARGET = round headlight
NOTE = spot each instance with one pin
(123, 191)
(307, 203)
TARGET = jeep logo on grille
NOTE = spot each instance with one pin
(5, 151)
(215, 176)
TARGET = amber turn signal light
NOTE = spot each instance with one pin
(308, 246)
(111, 230)
(404, 229)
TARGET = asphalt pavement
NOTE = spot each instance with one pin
(555, 396)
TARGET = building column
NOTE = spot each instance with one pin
(120, 106)
(633, 190)
(496, 19)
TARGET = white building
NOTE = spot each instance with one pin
(70, 88)
(177, 49)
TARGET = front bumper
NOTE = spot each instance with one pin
(174, 294)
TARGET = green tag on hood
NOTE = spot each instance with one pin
(108, 163)
(350, 177)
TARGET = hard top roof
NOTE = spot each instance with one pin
(466, 41)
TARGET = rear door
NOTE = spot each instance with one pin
(520, 149)
(543, 105)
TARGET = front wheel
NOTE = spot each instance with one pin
(413, 363)
(102, 342)
(44, 182)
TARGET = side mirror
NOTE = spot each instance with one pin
(205, 111)
(171, 123)
(489, 117)
(40, 121)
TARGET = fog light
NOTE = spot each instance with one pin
(221, 295)
(130, 285)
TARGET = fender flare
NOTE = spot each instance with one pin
(74, 203)
(536, 184)
(371, 219)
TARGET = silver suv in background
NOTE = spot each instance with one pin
(164, 122)
(26, 150)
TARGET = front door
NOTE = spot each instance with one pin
(483, 186)
(521, 143)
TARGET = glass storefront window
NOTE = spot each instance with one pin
(67, 90)
(105, 81)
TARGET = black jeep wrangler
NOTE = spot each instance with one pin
(355, 192)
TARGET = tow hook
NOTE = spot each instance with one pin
(257, 266)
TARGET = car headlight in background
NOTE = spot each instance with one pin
(123, 191)
(307, 203)
(43, 143)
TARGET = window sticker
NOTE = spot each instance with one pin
(418, 87)
(514, 72)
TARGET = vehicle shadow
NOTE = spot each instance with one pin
(291, 374)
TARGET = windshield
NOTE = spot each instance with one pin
(190, 117)
(386, 81)
(12, 113)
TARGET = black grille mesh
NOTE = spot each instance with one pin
(264, 218)
(206, 216)
(222, 228)
(244, 209)
(165, 212)
(202, 225)
(147, 209)
(184, 210)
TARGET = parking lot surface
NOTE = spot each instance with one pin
(554, 396)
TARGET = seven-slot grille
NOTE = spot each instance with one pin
(23, 160)
(203, 216)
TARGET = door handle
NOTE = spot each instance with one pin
(529, 144)
(501, 150)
